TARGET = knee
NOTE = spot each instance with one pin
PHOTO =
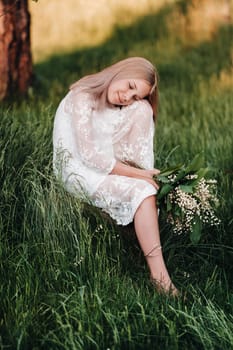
(144, 112)
(149, 202)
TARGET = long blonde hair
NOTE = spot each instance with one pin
(130, 68)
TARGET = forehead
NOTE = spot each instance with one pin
(141, 83)
(143, 87)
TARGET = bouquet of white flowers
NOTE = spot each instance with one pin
(188, 198)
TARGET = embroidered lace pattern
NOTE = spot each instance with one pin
(120, 196)
(94, 141)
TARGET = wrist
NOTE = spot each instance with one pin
(127, 170)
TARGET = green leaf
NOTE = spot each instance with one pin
(177, 211)
(180, 176)
(195, 233)
(164, 190)
(169, 205)
(162, 179)
(171, 170)
(195, 164)
(202, 172)
(186, 188)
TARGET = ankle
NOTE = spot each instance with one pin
(155, 251)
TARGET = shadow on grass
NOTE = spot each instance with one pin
(177, 65)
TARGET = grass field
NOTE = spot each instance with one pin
(70, 278)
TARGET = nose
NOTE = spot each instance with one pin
(128, 96)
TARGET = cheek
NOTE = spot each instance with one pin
(110, 95)
(109, 92)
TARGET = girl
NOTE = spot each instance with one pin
(104, 124)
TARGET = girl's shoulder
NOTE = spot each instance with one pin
(80, 95)
(81, 98)
(77, 101)
(142, 105)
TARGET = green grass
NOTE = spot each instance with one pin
(70, 278)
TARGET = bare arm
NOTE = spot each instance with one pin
(130, 171)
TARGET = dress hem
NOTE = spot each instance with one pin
(140, 199)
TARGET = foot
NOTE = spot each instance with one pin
(165, 286)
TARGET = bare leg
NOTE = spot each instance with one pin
(147, 231)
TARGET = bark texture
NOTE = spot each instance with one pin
(15, 51)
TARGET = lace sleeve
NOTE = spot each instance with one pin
(136, 144)
(141, 137)
(81, 108)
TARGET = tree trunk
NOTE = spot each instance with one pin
(15, 52)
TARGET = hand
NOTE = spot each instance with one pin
(148, 175)
(152, 172)
(138, 173)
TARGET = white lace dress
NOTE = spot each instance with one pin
(87, 143)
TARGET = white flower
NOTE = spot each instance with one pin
(192, 205)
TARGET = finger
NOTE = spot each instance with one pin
(156, 171)
(155, 185)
